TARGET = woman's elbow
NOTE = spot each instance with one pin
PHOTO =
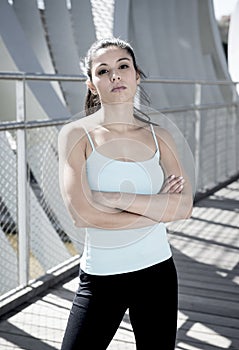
(79, 217)
(83, 220)
(187, 207)
(188, 213)
(79, 223)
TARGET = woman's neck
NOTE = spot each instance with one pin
(120, 113)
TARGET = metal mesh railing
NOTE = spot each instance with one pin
(8, 217)
(47, 243)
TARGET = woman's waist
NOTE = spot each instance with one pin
(102, 238)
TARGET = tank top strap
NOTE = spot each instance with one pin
(90, 139)
(93, 146)
(154, 136)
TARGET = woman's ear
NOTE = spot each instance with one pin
(91, 87)
(138, 79)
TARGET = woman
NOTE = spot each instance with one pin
(122, 180)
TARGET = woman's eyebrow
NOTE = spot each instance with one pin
(123, 58)
(120, 59)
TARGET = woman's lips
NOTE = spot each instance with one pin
(118, 88)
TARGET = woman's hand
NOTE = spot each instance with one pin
(173, 184)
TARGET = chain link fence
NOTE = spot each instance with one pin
(49, 228)
(8, 216)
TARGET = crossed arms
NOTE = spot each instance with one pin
(115, 210)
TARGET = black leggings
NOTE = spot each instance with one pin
(100, 303)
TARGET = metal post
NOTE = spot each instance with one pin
(235, 114)
(22, 212)
(197, 102)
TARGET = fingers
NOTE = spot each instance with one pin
(173, 184)
(177, 184)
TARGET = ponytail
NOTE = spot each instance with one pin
(92, 103)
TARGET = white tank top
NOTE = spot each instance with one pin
(108, 252)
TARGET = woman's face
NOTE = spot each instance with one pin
(114, 77)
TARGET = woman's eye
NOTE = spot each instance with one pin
(103, 71)
(124, 66)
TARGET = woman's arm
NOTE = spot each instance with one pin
(77, 196)
(175, 200)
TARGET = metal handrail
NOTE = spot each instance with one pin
(4, 126)
(82, 78)
(41, 76)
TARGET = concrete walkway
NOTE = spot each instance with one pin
(206, 252)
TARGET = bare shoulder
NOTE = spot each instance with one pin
(74, 131)
(164, 136)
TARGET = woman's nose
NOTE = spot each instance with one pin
(115, 76)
